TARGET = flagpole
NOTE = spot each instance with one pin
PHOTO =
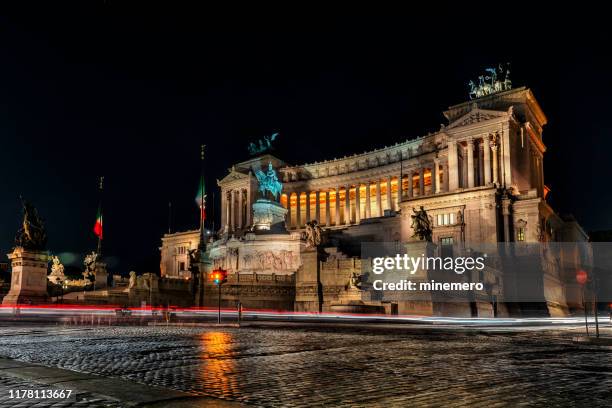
(202, 239)
(101, 186)
(169, 217)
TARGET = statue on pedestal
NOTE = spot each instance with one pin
(355, 281)
(268, 182)
(268, 213)
(57, 271)
(421, 224)
(90, 265)
(32, 234)
(29, 261)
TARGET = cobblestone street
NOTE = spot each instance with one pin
(299, 367)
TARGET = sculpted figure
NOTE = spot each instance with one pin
(268, 182)
(421, 224)
(313, 234)
(355, 281)
(142, 282)
(90, 261)
(262, 145)
(133, 281)
(491, 82)
(57, 269)
(32, 234)
(194, 256)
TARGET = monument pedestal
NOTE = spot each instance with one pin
(308, 296)
(101, 275)
(418, 302)
(28, 277)
(269, 216)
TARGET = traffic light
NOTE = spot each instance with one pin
(582, 277)
(218, 276)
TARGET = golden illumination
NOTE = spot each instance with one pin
(218, 370)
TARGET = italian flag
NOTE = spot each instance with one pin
(201, 199)
(98, 225)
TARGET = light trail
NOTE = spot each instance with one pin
(231, 315)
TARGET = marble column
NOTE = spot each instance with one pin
(226, 209)
(480, 181)
(298, 210)
(239, 209)
(308, 206)
(436, 175)
(486, 154)
(357, 203)
(368, 208)
(249, 209)
(421, 182)
(445, 176)
(337, 214)
(494, 145)
(327, 209)
(505, 175)
(232, 210)
(318, 207)
(379, 199)
(389, 195)
(289, 221)
(470, 163)
(453, 166)
(410, 186)
(347, 205)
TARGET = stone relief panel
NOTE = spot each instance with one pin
(234, 260)
(282, 260)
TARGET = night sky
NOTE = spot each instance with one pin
(132, 93)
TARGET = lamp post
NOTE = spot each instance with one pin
(218, 277)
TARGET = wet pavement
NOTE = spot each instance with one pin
(331, 367)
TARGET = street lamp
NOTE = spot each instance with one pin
(218, 277)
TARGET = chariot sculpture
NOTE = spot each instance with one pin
(491, 82)
(262, 145)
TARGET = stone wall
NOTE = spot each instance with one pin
(254, 291)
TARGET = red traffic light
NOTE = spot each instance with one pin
(218, 276)
(581, 277)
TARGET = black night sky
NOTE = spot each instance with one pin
(131, 93)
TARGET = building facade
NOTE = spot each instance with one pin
(480, 178)
(491, 143)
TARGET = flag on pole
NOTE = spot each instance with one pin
(201, 199)
(98, 225)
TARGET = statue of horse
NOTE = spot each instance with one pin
(32, 234)
(268, 182)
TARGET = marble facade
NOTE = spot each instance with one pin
(480, 177)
